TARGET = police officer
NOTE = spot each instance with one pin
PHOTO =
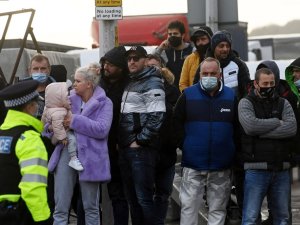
(23, 159)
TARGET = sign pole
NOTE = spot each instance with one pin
(107, 12)
(107, 35)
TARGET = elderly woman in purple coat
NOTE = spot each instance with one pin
(91, 119)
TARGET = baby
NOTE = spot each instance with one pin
(57, 107)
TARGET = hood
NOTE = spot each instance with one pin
(56, 95)
(203, 30)
(116, 56)
(16, 118)
(289, 76)
(272, 66)
(147, 72)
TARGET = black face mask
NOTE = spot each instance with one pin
(175, 41)
(267, 92)
(201, 49)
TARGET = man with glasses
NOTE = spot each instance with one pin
(142, 113)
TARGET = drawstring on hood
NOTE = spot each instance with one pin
(181, 53)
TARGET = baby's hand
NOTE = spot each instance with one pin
(64, 142)
(67, 121)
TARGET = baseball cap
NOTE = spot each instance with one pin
(138, 50)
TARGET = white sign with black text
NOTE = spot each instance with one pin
(108, 13)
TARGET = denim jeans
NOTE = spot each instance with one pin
(116, 195)
(258, 184)
(163, 189)
(137, 167)
(77, 202)
(65, 180)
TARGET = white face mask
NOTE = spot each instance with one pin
(209, 83)
(297, 83)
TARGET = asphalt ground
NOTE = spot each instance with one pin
(174, 210)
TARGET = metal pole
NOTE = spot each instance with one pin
(107, 40)
(28, 30)
(107, 35)
(211, 9)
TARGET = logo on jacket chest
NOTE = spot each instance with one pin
(225, 110)
(5, 143)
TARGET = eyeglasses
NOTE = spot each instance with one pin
(134, 58)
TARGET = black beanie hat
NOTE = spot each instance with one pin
(203, 30)
(116, 56)
(219, 37)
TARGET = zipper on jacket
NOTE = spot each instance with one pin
(210, 131)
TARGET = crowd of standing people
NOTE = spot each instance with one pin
(122, 121)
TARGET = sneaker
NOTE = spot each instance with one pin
(76, 164)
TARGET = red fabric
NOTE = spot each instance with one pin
(142, 30)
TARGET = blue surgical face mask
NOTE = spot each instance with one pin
(209, 83)
(40, 77)
(297, 83)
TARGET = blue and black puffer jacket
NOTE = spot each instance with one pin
(208, 123)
